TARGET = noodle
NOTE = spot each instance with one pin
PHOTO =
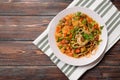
(77, 35)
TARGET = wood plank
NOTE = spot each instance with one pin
(20, 27)
(33, 8)
(36, 8)
(31, 73)
(116, 75)
(117, 3)
(1, 1)
(110, 69)
(22, 53)
(24, 20)
(40, 0)
(102, 73)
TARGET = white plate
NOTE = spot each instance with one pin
(70, 60)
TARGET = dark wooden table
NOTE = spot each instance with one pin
(21, 21)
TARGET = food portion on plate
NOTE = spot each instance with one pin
(77, 35)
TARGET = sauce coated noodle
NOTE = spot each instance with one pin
(77, 35)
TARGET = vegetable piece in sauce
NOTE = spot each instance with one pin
(77, 35)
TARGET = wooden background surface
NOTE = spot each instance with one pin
(21, 21)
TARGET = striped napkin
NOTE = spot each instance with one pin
(111, 17)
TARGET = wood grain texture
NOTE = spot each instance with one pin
(31, 73)
(22, 53)
(33, 8)
(41, 0)
(117, 3)
(21, 21)
(20, 27)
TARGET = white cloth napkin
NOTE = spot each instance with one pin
(111, 17)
